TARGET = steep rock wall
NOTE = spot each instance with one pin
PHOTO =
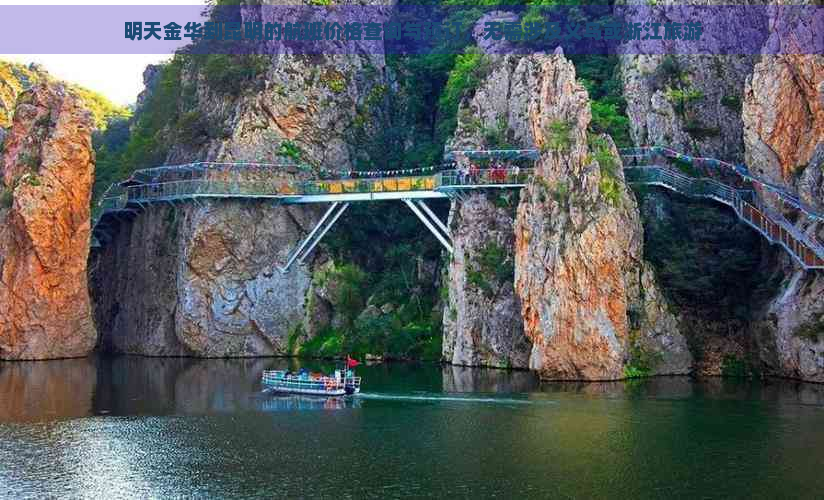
(776, 323)
(705, 118)
(202, 280)
(47, 173)
(590, 303)
(482, 322)
(687, 101)
(784, 139)
(219, 293)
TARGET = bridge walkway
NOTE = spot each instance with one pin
(173, 184)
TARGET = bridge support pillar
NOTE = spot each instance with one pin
(432, 222)
(311, 240)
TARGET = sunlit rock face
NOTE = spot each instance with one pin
(47, 174)
(691, 102)
(784, 139)
(590, 304)
(482, 322)
(202, 279)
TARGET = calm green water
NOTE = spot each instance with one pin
(151, 428)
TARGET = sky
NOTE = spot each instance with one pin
(118, 77)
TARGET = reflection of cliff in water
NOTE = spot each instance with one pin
(133, 385)
(157, 386)
(466, 379)
(45, 390)
(715, 388)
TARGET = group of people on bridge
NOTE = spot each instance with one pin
(469, 172)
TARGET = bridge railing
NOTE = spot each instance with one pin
(805, 248)
(211, 187)
(274, 187)
(367, 185)
(485, 177)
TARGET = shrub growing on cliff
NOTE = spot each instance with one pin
(812, 331)
(231, 74)
(557, 136)
(289, 149)
(6, 197)
(491, 265)
(348, 283)
(334, 80)
(609, 185)
(699, 131)
(670, 73)
(328, 343)
(607, 119)
(641, 361)
(732, 102)
(681, 99)
(470, 69)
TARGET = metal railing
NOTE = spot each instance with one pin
(485, 177)
(647, 156)
(211, 180)
(118, 197)
(805, 248)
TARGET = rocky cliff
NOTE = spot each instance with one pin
(685, 101)
(766, 111)
(589, 301)
(785, 143)
(482, 318)
(47, 173)
(690, 103)
(482, 322)
(202, 279)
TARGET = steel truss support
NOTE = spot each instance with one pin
(428, 217)
(311, 240)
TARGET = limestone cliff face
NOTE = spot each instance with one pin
(784, 139)
(784, 121)
(482, 321)
(202, 280)
(779, 136)
(316, 102)
(589, 301)
(690, 102)
(47, 173)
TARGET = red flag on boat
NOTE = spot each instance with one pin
(351, 363)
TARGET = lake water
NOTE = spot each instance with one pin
(149, 428)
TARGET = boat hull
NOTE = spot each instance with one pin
(313, 392)
(286, 383)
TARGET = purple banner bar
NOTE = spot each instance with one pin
(357, 29)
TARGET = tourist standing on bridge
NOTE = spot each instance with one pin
(462, 167)
(473, 173)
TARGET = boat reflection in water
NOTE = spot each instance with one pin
(292, 402)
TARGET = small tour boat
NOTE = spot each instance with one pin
(342, 382)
